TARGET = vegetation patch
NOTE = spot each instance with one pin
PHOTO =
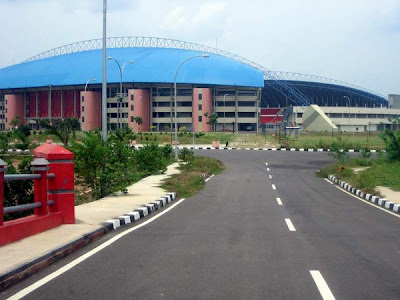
(192, 178)
(382, 171)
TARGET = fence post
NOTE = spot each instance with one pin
(61, 185)
(40, 166)
(3, 168)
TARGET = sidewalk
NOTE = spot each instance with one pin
(22, 258)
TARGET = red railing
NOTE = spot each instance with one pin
(53, 187)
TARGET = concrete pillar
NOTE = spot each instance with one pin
(14, 106)
(90, 110)
(203, 97)
(141, 104)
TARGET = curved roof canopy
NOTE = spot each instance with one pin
(151, 65)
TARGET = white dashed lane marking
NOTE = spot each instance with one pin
(270, 177)
(279, 201)
(322, 285)
(290, 225)
(268, 169)
(273, 187)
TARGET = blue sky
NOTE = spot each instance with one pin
(355, 41)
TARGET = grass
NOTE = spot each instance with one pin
(188, 183)
(380, 172)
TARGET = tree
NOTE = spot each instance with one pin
(212, 120)
(15, 122)
(3, 144)
(138, 120)
(105, 167)
(61, 128)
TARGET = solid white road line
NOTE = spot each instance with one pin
(279, 201)
(321, 285)
(209, 178)
(270, 177)
(369, 203)
(82, 258)
(290, 225)
(273, 187)
(327, 180)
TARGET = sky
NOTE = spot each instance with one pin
(356, 41)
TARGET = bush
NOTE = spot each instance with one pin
(187, 156)
(392, 141)
(151, 159)
(338, 150)
(18, 192)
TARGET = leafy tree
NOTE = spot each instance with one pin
(61, 128)
(212, 120)
(15, 122)
(392, 141)
(3, 144)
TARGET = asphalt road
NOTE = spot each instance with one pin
(231, 241)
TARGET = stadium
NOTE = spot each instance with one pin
(65, 82)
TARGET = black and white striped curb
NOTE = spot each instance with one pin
(272, 149)
(139, 212)
(395, 207)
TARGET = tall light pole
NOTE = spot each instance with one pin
(49, 106)
(121, 72)
(87, 82)
(224, 111)
(175, 105)
(104, 75)
(348, 99)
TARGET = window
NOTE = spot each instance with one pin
(83, 119)
(247, 115)
(200, 107)
(132, 107)
(247, 103)
(299, 115)
(83, 108)
(200, 118)
(154, 114)
(83, 98)
(132, 119)
(200, 96)
(132, 97)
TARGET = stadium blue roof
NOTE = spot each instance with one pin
(151, 65)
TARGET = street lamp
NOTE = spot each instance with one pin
(121, 72)
(175, 105)
(224, 110)
(348, 99)
(87, 82)
(50, 86)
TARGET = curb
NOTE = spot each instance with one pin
(22, 272)
(382, 202)
(273, 149)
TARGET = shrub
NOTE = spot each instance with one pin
(338, 150)
(150, 160)
(392, 141)
(187, 156)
